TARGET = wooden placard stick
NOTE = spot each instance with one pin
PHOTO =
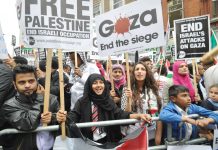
(161, 65)
(47, 81)
(196, 66)
(107, 67)
(194, 77)
(76, 64)
(61, 83)
(110, 73)
(129, 106)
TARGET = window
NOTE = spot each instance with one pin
(97, 8)
(215, 9)
(117, 3)
(175, 10)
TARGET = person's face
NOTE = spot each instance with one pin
(182, 100)
(183, 69)
(117, 73)
(213, 94)
(198, 78)
(201, 70)
(149, 64)
(67, 70)
(72, 57)
(98, 87)
(25, 83)
(140, 72)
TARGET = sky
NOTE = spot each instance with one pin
(9, 22)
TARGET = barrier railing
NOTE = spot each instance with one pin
(107, 123)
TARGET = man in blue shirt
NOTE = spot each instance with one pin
(177, 110)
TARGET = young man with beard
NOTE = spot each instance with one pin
(24, 112)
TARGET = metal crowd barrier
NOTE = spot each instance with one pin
(109, 123)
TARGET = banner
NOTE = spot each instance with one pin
(192, 37)
(13, 40)
(42, 54)
(3, 49)
(17, 51)
(132, 27)
(56, 24)
(137, 140)
(94, 53)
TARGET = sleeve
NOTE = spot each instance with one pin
(169, 116)
(75, 114)
(120, 114)
(123, 99)
(21, 119)
(165, 93)
(54, 107)
(5, 82)
(204, 112)
(207, 105)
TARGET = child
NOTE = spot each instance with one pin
(211, 102)
(119, 78)
(177, 110)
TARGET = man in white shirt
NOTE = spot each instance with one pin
(79, 75)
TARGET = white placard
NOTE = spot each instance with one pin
(64, 24)
(215, 139)
(131, 27)
(190, 147)
(3, 49)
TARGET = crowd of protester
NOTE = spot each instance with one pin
(156, 91)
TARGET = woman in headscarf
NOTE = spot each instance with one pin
(79, 75)
(96, 97)
(119, 78)
(180, 77)
(144, 99)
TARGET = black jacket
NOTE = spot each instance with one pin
(55, 88)
(24, 113)
(82, 113)
(7, 90)
(208, 105)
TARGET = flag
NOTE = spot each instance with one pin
(137, 140)
(167, 64)
(214, 43)
(160, 58)
(213, 39)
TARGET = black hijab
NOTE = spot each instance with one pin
(104, 100)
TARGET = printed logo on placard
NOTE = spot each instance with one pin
(19, 8)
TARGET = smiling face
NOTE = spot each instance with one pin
(117, 73)
(25, 83)
(98, 87)
(140, 72)
(183, 69)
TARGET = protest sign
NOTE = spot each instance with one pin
(192, 37)
(17, 51)
(3, 49)
(13, 40)
(131, 27)
(55, 24)
(42, 53)
(28, 53)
